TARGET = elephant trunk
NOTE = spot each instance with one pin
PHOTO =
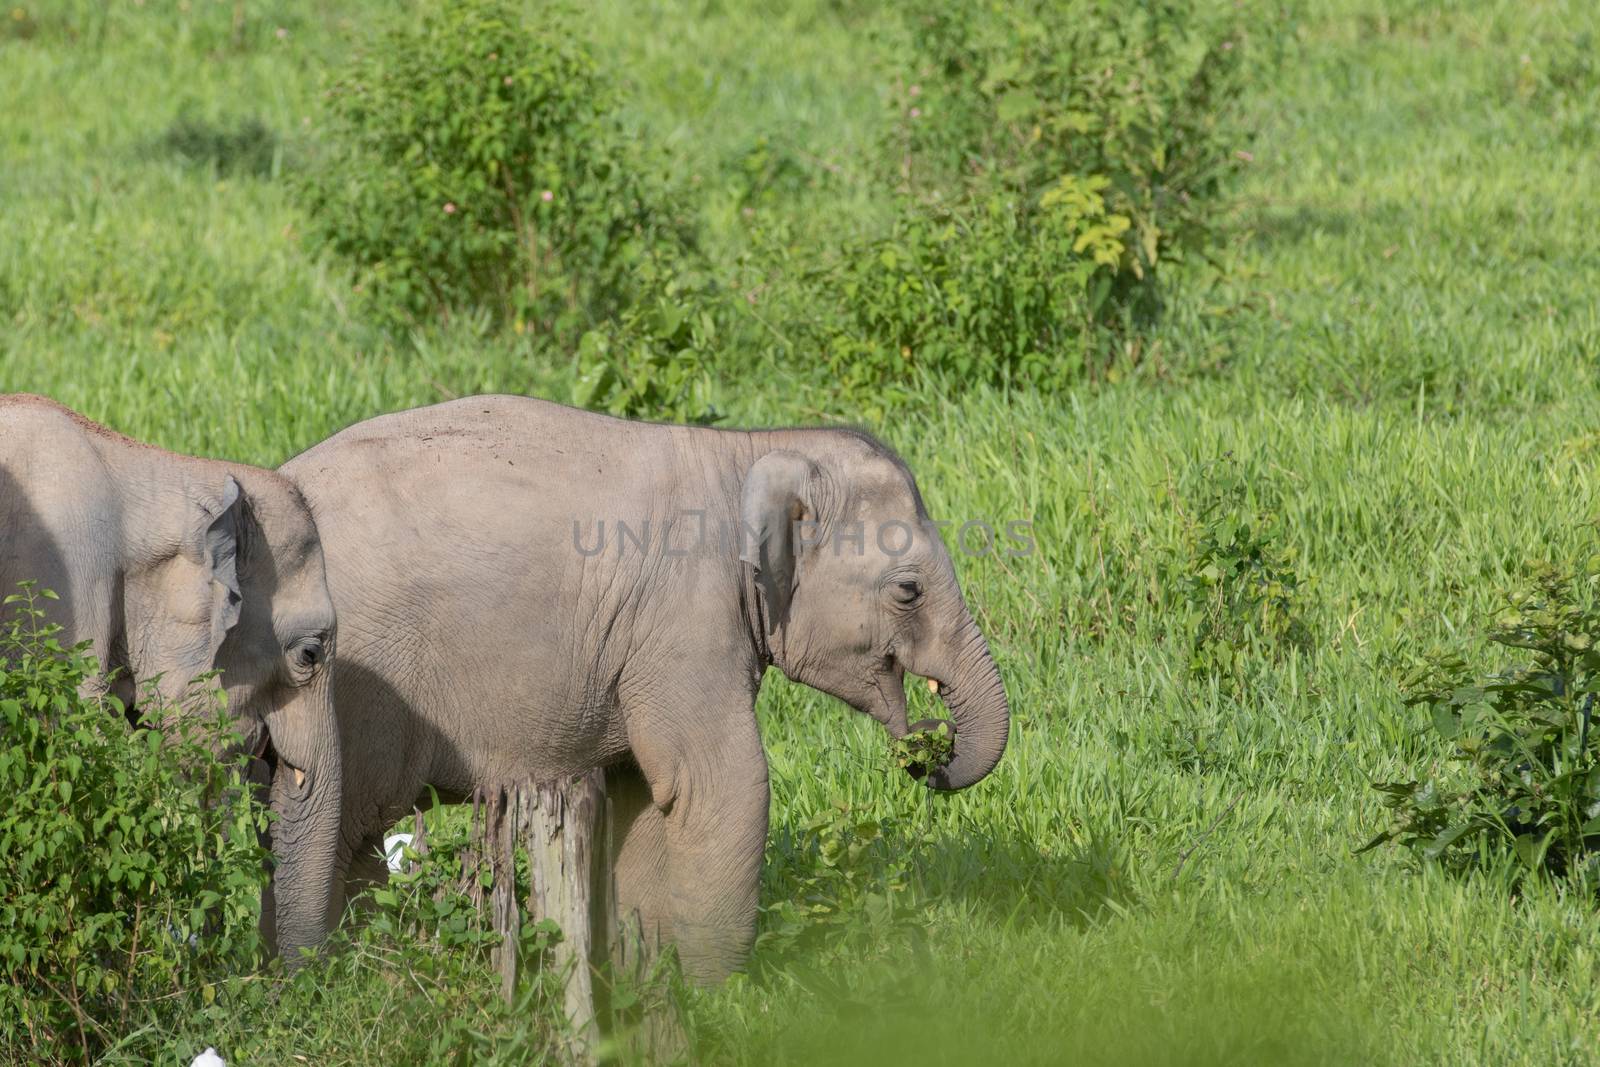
(972, 691)
(306, 798)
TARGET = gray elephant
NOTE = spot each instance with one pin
(528, 590)
(174, 567)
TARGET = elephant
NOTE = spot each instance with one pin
(174, 567)
(527, 590)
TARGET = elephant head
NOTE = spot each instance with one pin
(174, 567)
(857, 589)
(232, 581)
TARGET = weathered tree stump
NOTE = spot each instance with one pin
(562, 825)
(497, 843)
(565, 827)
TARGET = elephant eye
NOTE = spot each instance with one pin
(907, 592)
(307, 654)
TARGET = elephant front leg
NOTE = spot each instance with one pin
(710, 800)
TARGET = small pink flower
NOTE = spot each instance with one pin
(509, 79)
(916, 112)
(916, 90)
(449, 207)
(547, 196)
(283, 34)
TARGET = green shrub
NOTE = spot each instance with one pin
(1019, 94)
(768, 173)
(1050, 157)
(654, 360)
(981, 291)
(1523, 779)
(472, 160)
(429, 900)
(846, 881)
(132, 866)
(1236, 592)
(407, 978)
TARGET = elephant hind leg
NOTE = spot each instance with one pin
(639, 852)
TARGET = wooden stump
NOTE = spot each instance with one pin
(565, 827)
(562, 824)
(498, 846)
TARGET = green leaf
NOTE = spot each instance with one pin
(1445, 721)
(1016, 105)
(1437, 846)
(1382, 838)
(1531, 850)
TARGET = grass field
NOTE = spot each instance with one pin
(1401, 353)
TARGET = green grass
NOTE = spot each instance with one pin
(1402, 351)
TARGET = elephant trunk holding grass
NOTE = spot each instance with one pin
(174, 567)
(527, 590)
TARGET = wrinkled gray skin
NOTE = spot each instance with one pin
(480, 644)
(174, 567)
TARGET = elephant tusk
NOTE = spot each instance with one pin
(933, 686)
(299, 778)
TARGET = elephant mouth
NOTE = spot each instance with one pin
(931, 757)
(267, 753)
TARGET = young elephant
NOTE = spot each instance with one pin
(526, 590)
(174, 567)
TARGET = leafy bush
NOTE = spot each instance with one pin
(981, 291)
(1525, 780)
(472, 160)
(769, 172)
(845, 878)
(653, 361)
(1050, 157)
(431, 898)
(1020, 94)
(1237, 591)
(132, 865)
(409, 980)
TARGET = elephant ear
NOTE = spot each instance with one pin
(214, 543)
(776, 496)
